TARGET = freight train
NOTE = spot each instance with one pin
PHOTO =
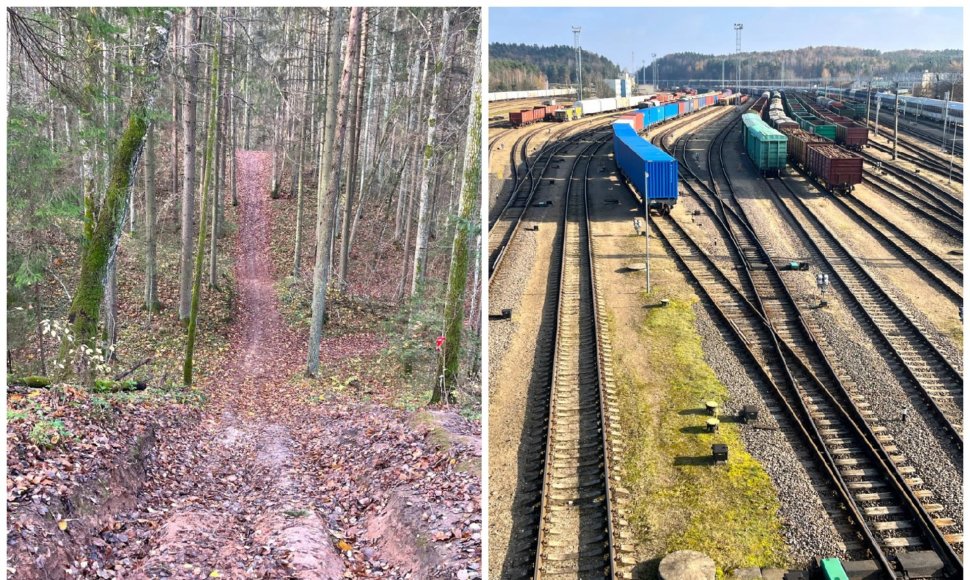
(537, 94)
(686, 104)
(808, 140)
(649, 170)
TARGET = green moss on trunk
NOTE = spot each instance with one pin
(206, 180)
(458, 275)
(104, 237)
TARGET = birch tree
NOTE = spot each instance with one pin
(421, 243)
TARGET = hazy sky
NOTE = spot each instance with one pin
(615, 32)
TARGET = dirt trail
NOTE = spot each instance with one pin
(248, 511)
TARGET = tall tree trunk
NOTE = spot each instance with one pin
(444, 390)
(233, 116)
(216, 159)
(412, 114)
(99, 253)
(336, 122)
(151, 228)
(207, 177)
(421, 242)
(188, 179)
(176, 111)
(306, 135)
(354, 155)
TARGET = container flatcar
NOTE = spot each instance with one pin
(646, 167)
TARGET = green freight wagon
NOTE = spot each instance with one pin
(826, 130)
(767, 148)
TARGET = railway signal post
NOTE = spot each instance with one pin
(822, 280)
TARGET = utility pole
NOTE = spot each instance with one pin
(738, 27)
(722, 74)
(896, 121)
(653, 67)
(579, 58)
(868, 102)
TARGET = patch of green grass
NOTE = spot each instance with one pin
(47, 434)
(14, 416)
(412, 399)
(680, 499)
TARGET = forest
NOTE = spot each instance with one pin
(814, 62)
(243, 292)
(515, 67)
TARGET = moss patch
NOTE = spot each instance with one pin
(680, 499)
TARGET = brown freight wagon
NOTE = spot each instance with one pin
(525, 117)
(798, 140)
(849, 134)
(838, 169)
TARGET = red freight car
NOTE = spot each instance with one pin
(849, 134)
(837, 169)
(798, 141)
(524, 117)
(635, 118)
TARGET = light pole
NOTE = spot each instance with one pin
(653, 66)
(737, 31)
(646, 212)
(579, 58)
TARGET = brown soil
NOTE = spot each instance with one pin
(271, 483)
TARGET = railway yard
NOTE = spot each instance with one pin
(790, 387)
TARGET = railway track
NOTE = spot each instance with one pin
(927, 191)
(921, 159)
(944, 275)
(932, 378)
(765, 318)
(940, 217)
(505, 226)
(567, 510)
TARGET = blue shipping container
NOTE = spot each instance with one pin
(670, 111)
(636, 157)
(652, 116)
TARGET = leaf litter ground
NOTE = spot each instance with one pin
(271, 483)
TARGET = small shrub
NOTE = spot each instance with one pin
(47, 434)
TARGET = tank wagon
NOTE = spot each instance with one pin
(648, 169)
(767, 148)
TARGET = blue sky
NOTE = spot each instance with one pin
(615, 32)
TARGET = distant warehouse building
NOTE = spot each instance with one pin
(624, 86)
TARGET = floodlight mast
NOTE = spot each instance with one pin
(737, 31)
(579, 58)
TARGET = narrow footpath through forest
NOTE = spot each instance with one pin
(273, 485)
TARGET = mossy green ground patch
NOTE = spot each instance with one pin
(680, 499)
